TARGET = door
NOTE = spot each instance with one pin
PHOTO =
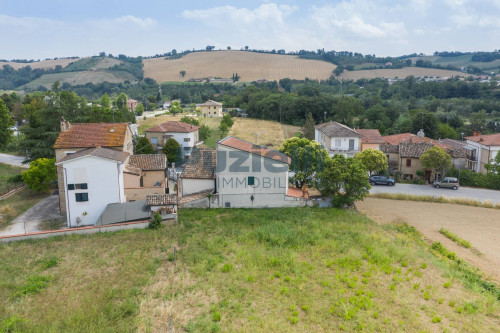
(351, 144)
(428, 176)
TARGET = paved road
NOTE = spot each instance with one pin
(462, 192)
(45, 209)
(13, 160)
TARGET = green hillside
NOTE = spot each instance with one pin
(263, 270)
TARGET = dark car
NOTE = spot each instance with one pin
(382, 180)
(449, 182)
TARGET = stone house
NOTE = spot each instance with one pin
(210, 109)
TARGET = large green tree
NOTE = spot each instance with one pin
(176, 108)
(204, 132)
(41, 174)
(173, 151)
(345, 180)
(6, 121)
(373, 160)
(121, 101)
(436, 158)
(143, 146)
(308, 157)
(308, 128)
(190, 120)
(104, 101)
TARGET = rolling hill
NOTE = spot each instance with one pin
(250, 66)
(45, 64)
(399, 73)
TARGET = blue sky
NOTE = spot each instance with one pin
(58, 28)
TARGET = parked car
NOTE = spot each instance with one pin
(448, 182)
(382, 180)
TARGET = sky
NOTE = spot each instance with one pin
(35, 29)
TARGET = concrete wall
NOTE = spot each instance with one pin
(191, 186)
(139, 193)
(105, 185)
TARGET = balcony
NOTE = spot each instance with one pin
(346, 152)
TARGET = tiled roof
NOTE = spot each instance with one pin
(398, 138)
(92, 135)
(161, 199)
(174, 127)
(243, 145)
(413, 150)
(110, 154)
(389, 149)
(149, 162)
(370, 136)
(201, 164)
(132, 169)
(455, 144)
(486, 139)
(334, 129)
(210, 103)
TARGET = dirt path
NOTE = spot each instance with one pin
(480, 226)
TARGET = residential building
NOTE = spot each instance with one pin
(210, 109)
(77, 137)
(131, 104)
(185, 134)
(145, 175)
(93, 178)
(338, 139)
(370, 139)
(199, 172)
(481, 149)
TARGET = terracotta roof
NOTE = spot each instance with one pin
(132, 169)
(201, 164)
(370, 136)
(389, 149)
(243, 145)
(161, 199)
(92, 135)
(174, 127)
(334, 129)
(455, 144)
(398, 138)
(149, 162)
(296, 192)
(412, 149)
(209, 103)
(110, 154)
(486, 139)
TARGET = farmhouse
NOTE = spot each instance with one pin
(338, 138)
(185, 134)
(210, 109)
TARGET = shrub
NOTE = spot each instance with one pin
(155, 221)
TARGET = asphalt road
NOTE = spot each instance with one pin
(462, 192)
(13, 160)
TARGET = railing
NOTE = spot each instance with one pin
(343, 151)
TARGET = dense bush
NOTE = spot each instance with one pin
(470, 178)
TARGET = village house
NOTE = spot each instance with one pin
(185, 134)
(481, 149)
(199, 172)
(131, 104)
(210, 109)
(145, 175)
(370, 139)
(338, 139)
(76, 137)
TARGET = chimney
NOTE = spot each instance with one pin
(191, 126)
(481, 139)
(476, 133)
(65, 125)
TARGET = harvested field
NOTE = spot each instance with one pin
(250, 66)
(399, 73)
(40, 64)
(262, 132)
(479, 226)
(75, 78)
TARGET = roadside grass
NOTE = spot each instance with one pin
(455, 238)
(430, 198)
(18, 203)
(7, 171)
(296, 269)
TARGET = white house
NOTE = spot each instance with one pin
(185, 134)
(93, 178)
(480, 150)
(253, 176)
(338, 139)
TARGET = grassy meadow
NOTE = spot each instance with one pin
(304, 269)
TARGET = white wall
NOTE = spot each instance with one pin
(105, 185)
(331, 145)
(191, 186)
(179, 137)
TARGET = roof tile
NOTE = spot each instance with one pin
(201, 164)
(233, 142)
(174, 127)
(149, 162)
(110, 154)
(335, 129)
(92, 135)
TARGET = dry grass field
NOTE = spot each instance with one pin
(262, 132)
(399, 73)
(75, 78)
(40, 64)
(250, 66)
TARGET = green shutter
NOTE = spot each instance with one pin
(251, 181)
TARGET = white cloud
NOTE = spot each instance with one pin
(27, 22)
(122, 22)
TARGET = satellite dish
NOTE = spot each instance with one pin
(421, 133)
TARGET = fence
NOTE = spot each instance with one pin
(6, 187)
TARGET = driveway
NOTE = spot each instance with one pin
(13, 160)
(462, 192)
(45, 209)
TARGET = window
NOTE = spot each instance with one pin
(408, 162)
(351, 144)
(71, 187)
(187, 148)
(154, 141)
(81, 186)
(81, 197)
(338, 143)
(187, 139)
(251, 181)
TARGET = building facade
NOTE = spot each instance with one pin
(481, 149)
(337, 138)
(185, 134)
(210, 109)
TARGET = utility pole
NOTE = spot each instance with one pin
(460, 161)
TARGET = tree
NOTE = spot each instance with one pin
(478, 121)
(308, 157)
(308, 128)
(436, 158)
(190, 120)
(339, 70)
(176, 108)
(204, 132)
(223, 128)
(344, 180)
(143, 146)
(173, 151)
(373, 160)
(6, 122)
(494, 165)
(139, 109)
(426, 121)
(227, 120)
(104, 101)
(121, 101)
(445, 131)
(182, 73)
(41, 174)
